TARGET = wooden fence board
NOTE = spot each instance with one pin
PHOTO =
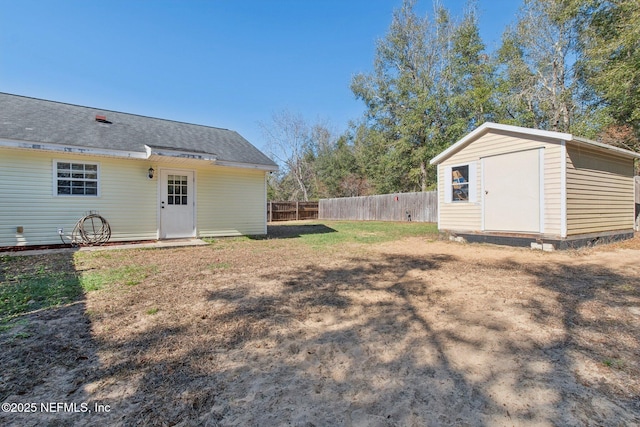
(421, 207)
(291, 211)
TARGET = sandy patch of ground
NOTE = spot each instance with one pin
(405, 333)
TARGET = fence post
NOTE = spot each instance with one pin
(297, 216)
(270, 211)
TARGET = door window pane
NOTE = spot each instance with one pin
(177, 189)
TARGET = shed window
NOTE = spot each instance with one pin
(460, 183)
(76, 179)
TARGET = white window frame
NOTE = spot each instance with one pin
(472, 185)
(56, 178)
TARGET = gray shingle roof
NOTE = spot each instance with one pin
(40, 121)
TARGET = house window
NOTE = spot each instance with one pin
(177, 189)
(76, 179)
(460, 183)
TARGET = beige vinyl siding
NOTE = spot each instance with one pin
(468, 216)
(127, 198)
(600, 191)
(553, 185)
(461, 216)
(231, 201)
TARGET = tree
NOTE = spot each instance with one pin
(282, 186)
(609, 63)
(337, 169)
(411, 114)
(399, 96)
(538, 86)
(314, 163)
(290, 143)
(430, 85)
(474, 75)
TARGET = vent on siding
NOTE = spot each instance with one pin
(102, 119)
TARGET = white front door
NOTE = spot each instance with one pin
(511, 192)
(177, 204)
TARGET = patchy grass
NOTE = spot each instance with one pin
(27, 286)
(328, 234)
(219, 265)
(26, 293)
(128, 275)
(323, 323)
(221, 241)
(29, 283)
(614, 363)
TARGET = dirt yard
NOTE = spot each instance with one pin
(276, 332)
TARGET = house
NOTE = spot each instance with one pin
(149, 178)
(528, 187)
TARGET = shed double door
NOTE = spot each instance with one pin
(511, 192)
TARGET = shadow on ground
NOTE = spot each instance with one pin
(282, 231)
(379, 341)
(48, 353)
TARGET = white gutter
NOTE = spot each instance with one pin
(246, 165)
(146, 155)
(167, 152)
(61, 148)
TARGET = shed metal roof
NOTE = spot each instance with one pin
(38, 121)
(559, 136)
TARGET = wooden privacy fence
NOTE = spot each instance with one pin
(421, 207)
(291, 211)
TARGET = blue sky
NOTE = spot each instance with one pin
(223, 63)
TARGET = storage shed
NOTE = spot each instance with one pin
(528, 187)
